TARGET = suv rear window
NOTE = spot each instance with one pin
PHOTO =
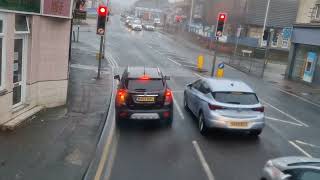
(144, 85)
(241, 98)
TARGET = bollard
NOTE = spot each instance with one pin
(220, 71)
(200, 62)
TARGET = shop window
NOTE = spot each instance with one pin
(21, 24)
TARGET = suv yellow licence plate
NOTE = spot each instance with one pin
(145, 99)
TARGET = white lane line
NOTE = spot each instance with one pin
(299, 97)
(307, 144)
(300, 149)
(174, 61)
(286, 114)
(115, 62)
(194, 66)
(178, 107)
(198, 75)
(280, 120)
(203, 161)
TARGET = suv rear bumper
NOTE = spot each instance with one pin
(162, 114)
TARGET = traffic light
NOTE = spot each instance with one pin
(102, 16)
(222, 17)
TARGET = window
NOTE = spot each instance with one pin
(241, 98)
(145, 85)
(204, 88)
(197, 84)
(21, 24)
(310, 175)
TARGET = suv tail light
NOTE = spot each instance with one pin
(121, 97)
(215, 107)
(260, 109)
(168, 97)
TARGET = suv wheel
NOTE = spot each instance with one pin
(202, 125)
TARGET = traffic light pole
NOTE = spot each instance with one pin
(100, 57)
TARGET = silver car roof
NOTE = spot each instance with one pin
(227, 85)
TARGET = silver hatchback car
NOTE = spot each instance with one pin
(224, 104)
(292, 168)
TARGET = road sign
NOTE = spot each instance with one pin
(78, 14)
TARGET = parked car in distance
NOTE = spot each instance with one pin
(143, 94)
(292, 168)
(224, 104)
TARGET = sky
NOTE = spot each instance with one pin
(124, 2)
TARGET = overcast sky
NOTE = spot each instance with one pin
(124, 2)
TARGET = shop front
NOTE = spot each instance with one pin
(304, 58)
(34, 49)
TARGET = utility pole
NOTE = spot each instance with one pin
(191, 13)
(265, 19)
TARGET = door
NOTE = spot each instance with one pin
(18, 71)
(193, 96)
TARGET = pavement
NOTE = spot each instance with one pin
(60, 143)
(150, 152)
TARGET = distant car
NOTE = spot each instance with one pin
(143, 94)
(148, 27)
(156, 21)
(136, 25)
(292, 168)
(128, 21)
(224, 104)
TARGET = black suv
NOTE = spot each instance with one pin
(143, 94)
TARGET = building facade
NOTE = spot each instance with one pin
(304, 62)
(34, 51)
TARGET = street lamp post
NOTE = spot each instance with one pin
(265, 20)
(191, 13)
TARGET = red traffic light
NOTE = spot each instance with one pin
(222, 16)
(102, 10)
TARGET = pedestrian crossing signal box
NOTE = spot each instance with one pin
(102, 17)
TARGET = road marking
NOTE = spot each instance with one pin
(194, 66)
(203, 161)
(299, 97)
(300, 149)
(307, 144)
(174, 61)
(178, 107)
(105, 153)
(286, 114)
(288, 122)
(198, 75)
